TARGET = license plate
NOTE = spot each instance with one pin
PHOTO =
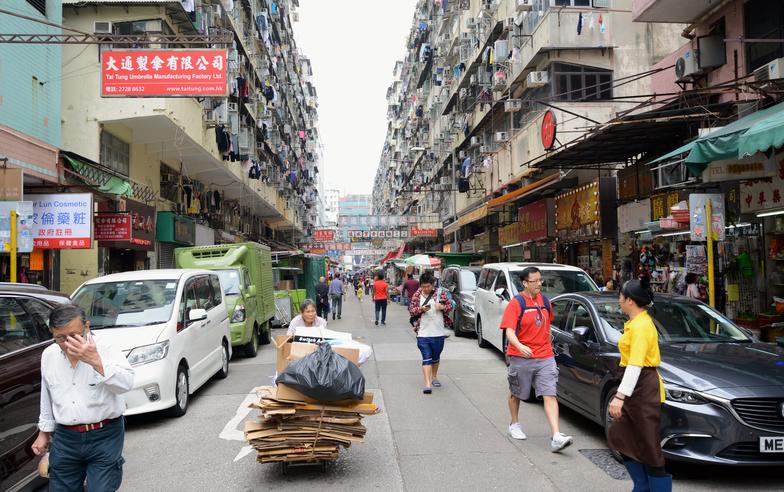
(771, 444)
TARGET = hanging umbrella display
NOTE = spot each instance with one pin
(423, 261)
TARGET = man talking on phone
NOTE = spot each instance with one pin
(81, 423)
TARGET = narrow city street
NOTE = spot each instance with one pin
(454, 439)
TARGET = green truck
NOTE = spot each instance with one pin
(245, 271)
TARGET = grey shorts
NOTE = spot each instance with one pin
(541, 374)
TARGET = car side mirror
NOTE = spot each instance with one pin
(580, 333)
(252, 291)
(197, 315)
(501, 293)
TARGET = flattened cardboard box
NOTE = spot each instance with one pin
(288, 351)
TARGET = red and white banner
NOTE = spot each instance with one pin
(419, 232)
(164, 73)
(62, 220)
(322, 235)
(113, 227)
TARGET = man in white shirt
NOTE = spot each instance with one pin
(82, 382)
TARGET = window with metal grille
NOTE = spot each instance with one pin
(115, 154)
(579, 83)
(39, 5)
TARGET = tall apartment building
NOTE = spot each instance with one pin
(173, 153)
(332, 206)
(467, 104)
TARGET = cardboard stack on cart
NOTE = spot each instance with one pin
(293, 428)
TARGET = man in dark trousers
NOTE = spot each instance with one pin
(322, 298)
(81, 423)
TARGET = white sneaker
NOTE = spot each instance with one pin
(560, 442)
(516, 431)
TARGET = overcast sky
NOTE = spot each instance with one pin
(353, 46)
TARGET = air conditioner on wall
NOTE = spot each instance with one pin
(687, 65)
(513, 105)
(537, 79)
(501, 137)
(771, 71)
(485, 150)
(524, 5)
(461, 154)
(474, 141)
(509, 24)
(209, 116)
(102, 27)
(233, 107)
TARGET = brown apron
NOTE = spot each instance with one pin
(636, 434)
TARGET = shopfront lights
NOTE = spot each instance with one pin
(679, 233)
(771, 213)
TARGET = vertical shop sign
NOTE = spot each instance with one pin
(700, 223)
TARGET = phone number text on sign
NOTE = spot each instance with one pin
(162, 73)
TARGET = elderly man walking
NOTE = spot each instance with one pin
(81, 423)
(336, 295)
(322, 298)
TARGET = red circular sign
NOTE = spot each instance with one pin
(548, 130)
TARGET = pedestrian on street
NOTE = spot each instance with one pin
(360, 291)
(336, 295)
(432, 309)
(381, 297)
(307, 318)
(322, 298)
(609, 286)
(410, 287)
(81, 423)
(530, 356)
(636, 406)
(693, 287)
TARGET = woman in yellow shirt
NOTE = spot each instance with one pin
(636, 406)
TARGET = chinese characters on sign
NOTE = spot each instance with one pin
(509, 234)
(533, 221)
(354, 234)
(62, 220)
(420, 232)
(338, 246)
(321, 235)
(163, 73)
(763, 194)
(577, 212)
(113, 227)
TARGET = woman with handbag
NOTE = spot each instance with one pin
(636, 406)
(429, 311)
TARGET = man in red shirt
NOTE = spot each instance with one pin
(530, 355)
(380, 296)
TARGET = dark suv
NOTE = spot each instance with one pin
(461, 282)
(24, 334)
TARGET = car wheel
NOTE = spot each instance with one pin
(224, 370)
(456, 326)
(608, 420)
(479, 339)
(252, 347)
(180, 393)
(265, 333)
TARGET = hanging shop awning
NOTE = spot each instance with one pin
(452, 228)
(474, 215)
(757, 132)
(514, 195)
(104, 181)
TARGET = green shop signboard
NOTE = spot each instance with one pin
(173, 228)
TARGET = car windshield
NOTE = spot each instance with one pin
(556, 282)
(130, 303)
(468, 279)
(678, 321)
(230, 281)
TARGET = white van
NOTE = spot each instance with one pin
(171, 324)
(498, 284)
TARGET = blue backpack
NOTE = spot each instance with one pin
(523, 308)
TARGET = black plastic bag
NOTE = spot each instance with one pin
(325, 376)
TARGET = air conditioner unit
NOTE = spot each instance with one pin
(524, 5)
(513, 105)
(209, 116)
(221, 113)
(463, 93)
(473, 79)
(687, 65)
(537, 79)
(771, 71)
(465, 36)
(233, 107)
(501, 137)
(485, 150)
(461, 154)
(474, 141)
(509, 24)
(102, 27)
(471, 22)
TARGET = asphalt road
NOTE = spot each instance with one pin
(454, 439)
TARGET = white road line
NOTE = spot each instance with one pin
(231, 432)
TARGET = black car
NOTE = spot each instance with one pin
(461, 282)
(24, 334)
(724, 390)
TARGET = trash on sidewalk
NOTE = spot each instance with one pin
(325, 376)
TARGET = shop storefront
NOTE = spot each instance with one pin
(125, 237)
(586, 227)
(537, 231)
(509, 240)
(173, 231)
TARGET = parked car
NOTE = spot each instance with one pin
(461, 282)
(724, 390)
(24, 334)
(500, 282)
(172, 325)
